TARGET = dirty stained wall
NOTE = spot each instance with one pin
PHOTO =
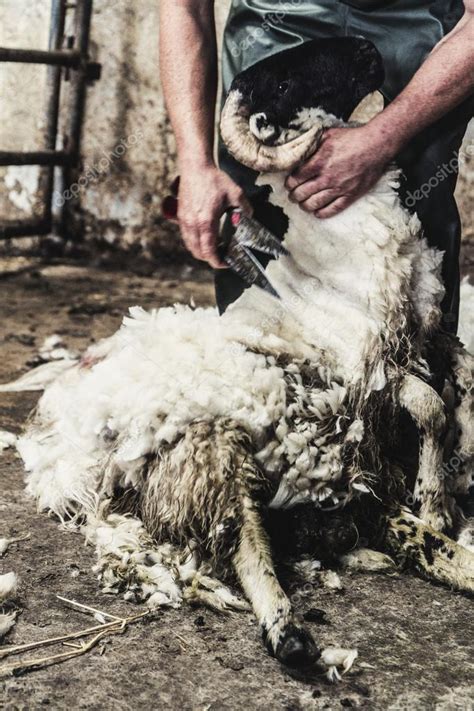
(128, 148)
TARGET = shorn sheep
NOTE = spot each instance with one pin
(171, 442)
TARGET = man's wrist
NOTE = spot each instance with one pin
(384, 140)
(193, 158)
(389, 132)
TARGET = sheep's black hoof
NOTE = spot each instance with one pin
(296, 647)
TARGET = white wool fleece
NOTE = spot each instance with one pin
(344, 288)
(164, 370)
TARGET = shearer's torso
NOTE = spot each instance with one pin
(404, 31)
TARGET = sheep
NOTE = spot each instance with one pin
(173, 440)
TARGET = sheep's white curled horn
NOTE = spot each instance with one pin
(245, 147)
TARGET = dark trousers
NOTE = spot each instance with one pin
(404, 31)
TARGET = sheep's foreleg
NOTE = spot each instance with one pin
(285, 640)
(431, 501)
(460, 465)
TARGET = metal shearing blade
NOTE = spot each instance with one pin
(252, 234)
(241, 260)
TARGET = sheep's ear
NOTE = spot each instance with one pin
(245, 147)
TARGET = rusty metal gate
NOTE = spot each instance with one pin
(67, 59)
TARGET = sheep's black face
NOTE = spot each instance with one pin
(328, 74)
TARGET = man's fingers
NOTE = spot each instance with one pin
(237, 199)
(190, 236)
(307, 189)
(247, 208)
(319, 201)
(208, 247)
(307, 171)
(204, 197)
(200, 237)
(334, 207)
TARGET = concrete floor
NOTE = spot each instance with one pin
(414, 639)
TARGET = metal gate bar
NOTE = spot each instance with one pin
(64, 58)
(56, 34)
(51, 157)
(68, 158)
(70, 173)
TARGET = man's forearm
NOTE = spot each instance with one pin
(444, 80)
(188, 61)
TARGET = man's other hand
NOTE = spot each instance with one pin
(347, 164)
(205, 193)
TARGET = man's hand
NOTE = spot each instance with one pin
(204, 195)
(347, 164)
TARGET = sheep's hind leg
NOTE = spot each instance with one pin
(432, 503)
(285, 640)
(208, 487)
(429, 552)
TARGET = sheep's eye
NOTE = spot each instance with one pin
(283, 87)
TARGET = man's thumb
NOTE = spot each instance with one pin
(239, 199)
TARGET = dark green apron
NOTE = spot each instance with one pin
(404, 31)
